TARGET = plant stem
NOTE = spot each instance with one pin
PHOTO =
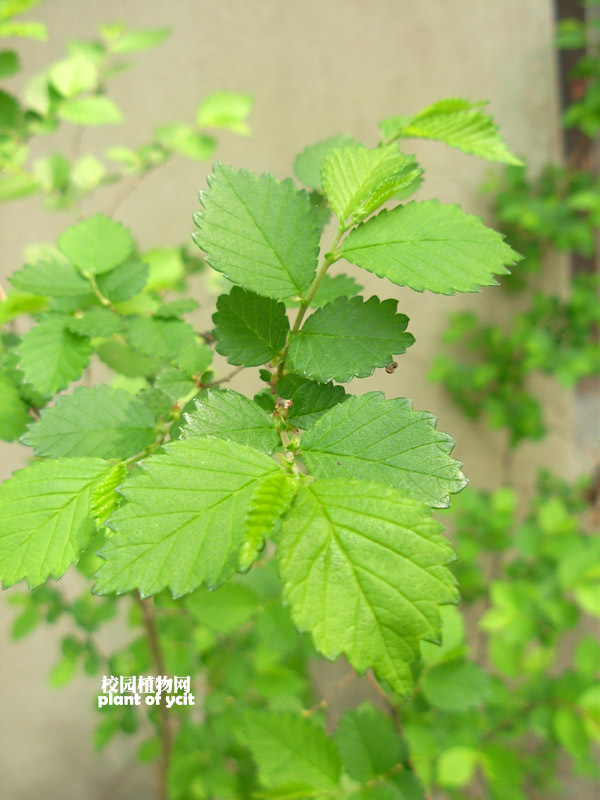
(166, 743)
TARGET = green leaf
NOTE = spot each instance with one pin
(455, 685)
(250, 329)
(381, 440)
(223, 609)
(127, 360)
(135, 41)
(368, 743)
(166, 268)
(456, 766)
(105, 499)
(45, 518)
(227, 111)
(429, 246)
(50, 278)
(456, 122)
(332, 287)
(95, 110)
(13, 411)
(310, 399)
(349, 338)
(162, 338)
(21, 184)
(9, 63)
(364, 571)
(52, 357)
(183, 523)
(97, 244)
(175, 383)
(176, 308)
(99, 421)
(287, 747)
(185, 140)
(123, 282)
(95, 322)
(63, 672)
(74, 75)
(194, 358)
(308, 164)
(228, 415)
(357, 180)
(270, 501)
(259, 232)
(19, 303)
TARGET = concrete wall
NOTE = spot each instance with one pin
(316, 67)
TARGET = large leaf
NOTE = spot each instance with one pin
(97, 244)
(250, 329)
(429, 246)
(226, 414)
(259, 232)
(357, 180)
(381, 440)
(456, 122)
(183, 522)
(45, 518)
(349, 338)
(364, 571)
(309, 162)
(102, 422)
(52, 356)
(288, 747)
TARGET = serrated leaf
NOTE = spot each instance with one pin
(135, 41)
(430, 246)
(287, 746)
(232, 416)
(45, 519)
(271, 499)
(95, 110)
(368, 743)
(50, 278)
(457, 123)
(97, 244)
(95, 322)
(307, 165)
(349, 338)
(455, 685)
(310, 399)
(227, 111)
(100, 421)
(105, 499)
(51, 357)
(381, 440)
(364, 571)
(183, 522)
(250, 329)
(357, 180)
(123, 282)
(13, 411)
(223, 609)
(162, 338)
(259, 232)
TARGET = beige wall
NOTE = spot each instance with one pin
(316, 67)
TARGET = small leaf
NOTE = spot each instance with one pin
(455, 685)
(20, 184)
(381, 440)
(368, 743)
(13, 411)
(259, 232)
(308, 164)
(429, 246)
(50, 278)
(9, 63)
(223, 609)
(349, 338)
(95, 110)
(231, 416)
(163, 338)
(45, 518)
(135, 41)
(310, 399)
(99, 421)
(185, 140)
(123, 282)
(271, 499)
(226, 110)
(74, 75)
(105, 499)
(250, 329)
(97, 244)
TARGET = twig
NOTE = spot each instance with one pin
(226, 379)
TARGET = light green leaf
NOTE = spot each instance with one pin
(270, 501)
(259, 232)
(368, 743)
(123, 282)
(456, 766)
(231, 416)
(349, 338)
(105, 498)
(332, 287)
(99, 421)
(74, 75)
(97, 244)
(45, 519)
(163, 338)
(456, 122)
(13, 411)
(19, 303)
(308, 164)
(52, 357)
(310, 399)
(166, 267)
(175, 383)
(364, 571)
(21, 184)
(96, 321)
(250, 329)
(455, 685)
(357, 180)
(226, 110)
(50, 278)
(223, 609)
(135, 41)
(381, 440)
(185, 140)
(287, 746)
(183, 523)
(24, 30)
(429, 246)
(95, 110)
